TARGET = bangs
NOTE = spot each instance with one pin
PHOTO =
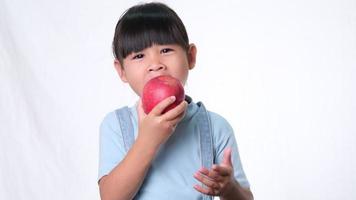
(145, 33)
(143, 29)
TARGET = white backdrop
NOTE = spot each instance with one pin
(282, 72)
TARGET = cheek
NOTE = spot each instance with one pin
(134, 77)
(181, 69)
(181, 74)
(185, 78)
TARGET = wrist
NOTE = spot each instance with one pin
(147, 145)
(231, 190)
(236, 192)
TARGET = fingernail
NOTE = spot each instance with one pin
(173, 98)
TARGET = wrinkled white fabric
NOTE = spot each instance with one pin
(284, 69)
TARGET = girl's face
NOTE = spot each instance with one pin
(140, 67)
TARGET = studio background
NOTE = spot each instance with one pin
(281, 72)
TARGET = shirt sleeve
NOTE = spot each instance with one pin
(111, 148)
(223, 137)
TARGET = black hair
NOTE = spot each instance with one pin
(143, 25)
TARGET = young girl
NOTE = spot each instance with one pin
(185, 153)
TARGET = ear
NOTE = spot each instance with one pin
(192, 54)
(120, 70)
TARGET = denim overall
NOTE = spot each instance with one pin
(205, 135)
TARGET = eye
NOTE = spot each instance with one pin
(137, 56)
(166, 50)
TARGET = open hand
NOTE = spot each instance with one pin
(218, 180)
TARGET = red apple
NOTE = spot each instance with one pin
(160, 88)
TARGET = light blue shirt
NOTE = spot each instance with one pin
(171, 173)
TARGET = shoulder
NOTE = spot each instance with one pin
(222, 132)
(109, 124)
(218, 122)
(219, 125)
(108, 119)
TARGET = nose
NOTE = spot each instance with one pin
(156, 67)
(155, 64)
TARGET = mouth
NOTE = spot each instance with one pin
(154, 76)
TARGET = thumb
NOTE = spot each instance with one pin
(227, 157)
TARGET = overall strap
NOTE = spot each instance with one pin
(127, 131)
(206, 140)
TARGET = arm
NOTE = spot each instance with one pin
(125, 179)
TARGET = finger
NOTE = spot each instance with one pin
(207, 191)
(181, 116)
(222, 170)
(211, 174)
(206, 181)
(176, 120)
(159, 108)
(227, 157)
(176, 112)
